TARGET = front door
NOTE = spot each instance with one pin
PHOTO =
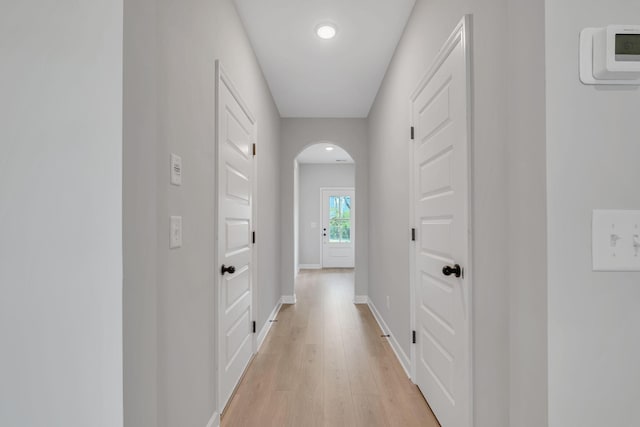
(236, 135)
(338, 231)
(442, 303)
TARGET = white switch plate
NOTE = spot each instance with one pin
(176, 232)
(616, 240)
(176, 169)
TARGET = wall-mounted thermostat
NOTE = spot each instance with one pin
(610, 55)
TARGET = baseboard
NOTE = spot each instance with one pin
(214, 421)
(288, 299)
(309, 267)
(361, 299)
(405, 362)
(267, 326)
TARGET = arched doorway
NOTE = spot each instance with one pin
(324, 208)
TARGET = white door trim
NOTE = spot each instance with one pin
(353, 221)
(223, 78)
(461, 32)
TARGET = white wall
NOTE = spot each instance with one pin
(592, 154)
(140, 219)
(170, 343)
(61, 206)
(312, 178)
(430, 25)
(527, 261)
(296, 216)
(351, 135)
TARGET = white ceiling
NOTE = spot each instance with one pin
(318, 153)
(311, 77)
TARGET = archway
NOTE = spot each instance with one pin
(350, 135)
(324, 203)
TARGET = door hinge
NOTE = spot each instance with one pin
(412, 133)
(254, 326)
(413, 234)
(253, 237)
(413, 336)
(254, 149)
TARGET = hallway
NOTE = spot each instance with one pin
(325, 363)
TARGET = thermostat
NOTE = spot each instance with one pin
(610, 55)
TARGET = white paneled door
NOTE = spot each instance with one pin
(338, 227)
(441, 281)
(236, 135)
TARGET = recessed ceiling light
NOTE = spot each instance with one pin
(326, 31)
(328, 148)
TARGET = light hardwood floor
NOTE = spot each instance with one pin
(324, 363)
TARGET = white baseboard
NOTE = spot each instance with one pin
(405, 362)
(267, 326)
(288, 299)
(309, 267)
(214, 421)
(361, 299)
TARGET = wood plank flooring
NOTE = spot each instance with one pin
(324, 363)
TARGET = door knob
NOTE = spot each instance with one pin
(456, 270)
(231, 269)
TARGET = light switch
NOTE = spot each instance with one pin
(176, 169)
(176, 232)
(616, 240)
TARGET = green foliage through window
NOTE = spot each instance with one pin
(339, 219)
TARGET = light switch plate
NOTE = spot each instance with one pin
(616, 240)
(175, 240)
(176, 169)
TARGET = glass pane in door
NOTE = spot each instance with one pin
(339, 219)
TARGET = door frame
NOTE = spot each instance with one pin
(221, 77)
(353, 221)
(462, 31)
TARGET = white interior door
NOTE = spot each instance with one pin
(442, 356)
(236, 135)
(338, 228)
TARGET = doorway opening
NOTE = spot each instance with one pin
(325, 201)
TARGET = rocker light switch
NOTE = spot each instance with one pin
(176, 169)
(175, 240)
(616, 240)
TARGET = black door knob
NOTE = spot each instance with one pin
(456, 270)
(231, 269)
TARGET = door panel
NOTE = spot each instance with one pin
(237, 287)
(435, 175)
(238, 185)
(441, 202)
(237, 235)
(236, 133)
